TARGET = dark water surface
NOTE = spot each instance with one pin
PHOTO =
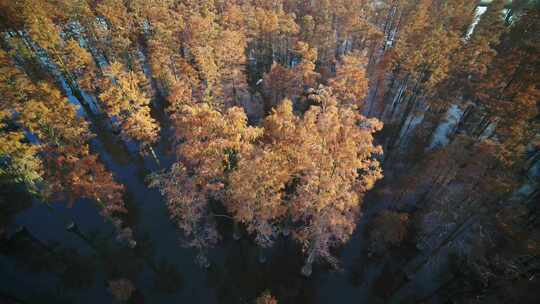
(42, 262)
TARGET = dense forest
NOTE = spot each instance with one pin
(285, 151)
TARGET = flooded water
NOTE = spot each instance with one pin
(43, 262)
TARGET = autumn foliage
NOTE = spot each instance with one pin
(266, 115)
(311, 170)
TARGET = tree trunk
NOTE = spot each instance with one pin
(154, 156)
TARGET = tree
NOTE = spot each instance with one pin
(486, 36)
(418, 71)
(73, 175)
(15, 87)
(282, 82)
(429, 64)
(479, 51)
(350, 86)
(305, 75)
(313, 174)
(180, 95)
(188, 208)
(230, 52)
(79, 63)
(378, 82)
(69, 170)
(341, 168)
(19, 162)
(278, 84)
(43, 39)
(266, 298)
(121, 289)
(510, 86)
(465, 186)
(389, 228)
(270, 31)
(124, 98)
(211, 143)
(164, 44)
(219, 57)
(202, 33)
(51, 117)
(323, 36)
(258, 188)
(118, 34)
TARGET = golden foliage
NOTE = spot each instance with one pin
(350, 84)
(125, 99)
(266, 298)
(61, 160)
(19, 161)
(325, 157)
(53, 119)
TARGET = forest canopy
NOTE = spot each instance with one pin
(408, 126)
